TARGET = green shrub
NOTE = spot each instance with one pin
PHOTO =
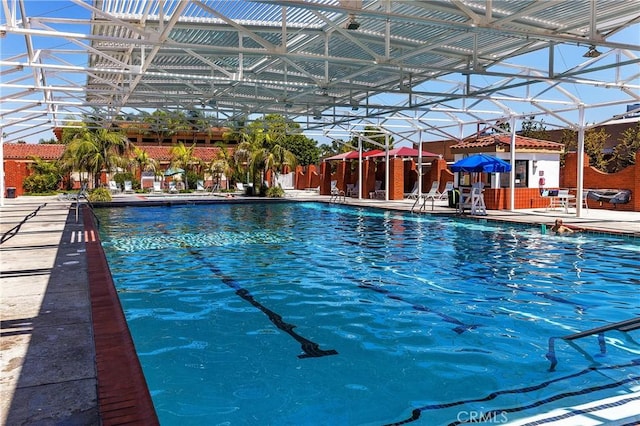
(192, 179)
(275, 192)
(41, 183)
(100, 195)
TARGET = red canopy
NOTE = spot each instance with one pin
(405, 152)
(353, 155)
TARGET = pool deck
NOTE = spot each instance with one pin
(65, 349)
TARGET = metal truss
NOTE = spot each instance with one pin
(431, 67)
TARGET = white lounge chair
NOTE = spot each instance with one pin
(128, 187)
(200, 186)
(352, 190)
(113, 187)
(413, 194)
(157, 187)
(433, 193)
(448, 187)
(173, 189)
(336, 193)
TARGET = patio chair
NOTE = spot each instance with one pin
(336, 192)
(173, 189)
(413, 194)
(433, 193)
(448, 187)
(128, 187)
(157, 187)
(200, 186)
(352, 190)
(113, 187)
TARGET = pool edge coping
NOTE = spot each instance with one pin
(123, 393)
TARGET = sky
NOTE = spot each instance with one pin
(435, 126)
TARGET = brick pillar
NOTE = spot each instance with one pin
(396, 179)
(369, 178)
(300, 178)
(313, 177)
(325, 181)
(341, 175)
(442, 173)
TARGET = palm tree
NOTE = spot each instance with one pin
(242, 157)
(96, 150)
(143, 162)
(221, 164)
(183, 158)
(274, 159)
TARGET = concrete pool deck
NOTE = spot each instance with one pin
(60, 343)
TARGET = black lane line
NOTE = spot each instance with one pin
(311, 349)
(580, 307)
(461, 327)
(415, 413)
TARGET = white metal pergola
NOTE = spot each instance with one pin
(428, 68)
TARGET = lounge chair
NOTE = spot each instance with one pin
(173, 189)
(352, 190)
(413, 194)
(433, 193)
(128, 187)
(200, 186)
(448, 187)
(336, 192)
(113, 187)
(240, 187)
(157, 187)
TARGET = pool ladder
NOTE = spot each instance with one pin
(624, 326)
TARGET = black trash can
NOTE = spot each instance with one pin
(11, 192)
(454, 196)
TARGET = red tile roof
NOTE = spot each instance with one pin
(23, 151)
(505, 142)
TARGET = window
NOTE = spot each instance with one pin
(521, 175)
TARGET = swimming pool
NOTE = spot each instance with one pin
(307, 313)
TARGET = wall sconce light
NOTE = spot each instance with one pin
(535, 165)
(592, 52)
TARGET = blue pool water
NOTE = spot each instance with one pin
(310, 314)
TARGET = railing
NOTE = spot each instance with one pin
(623, 326)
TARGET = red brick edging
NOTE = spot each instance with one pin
(123, 395)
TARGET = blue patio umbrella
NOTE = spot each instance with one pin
(481, 163)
